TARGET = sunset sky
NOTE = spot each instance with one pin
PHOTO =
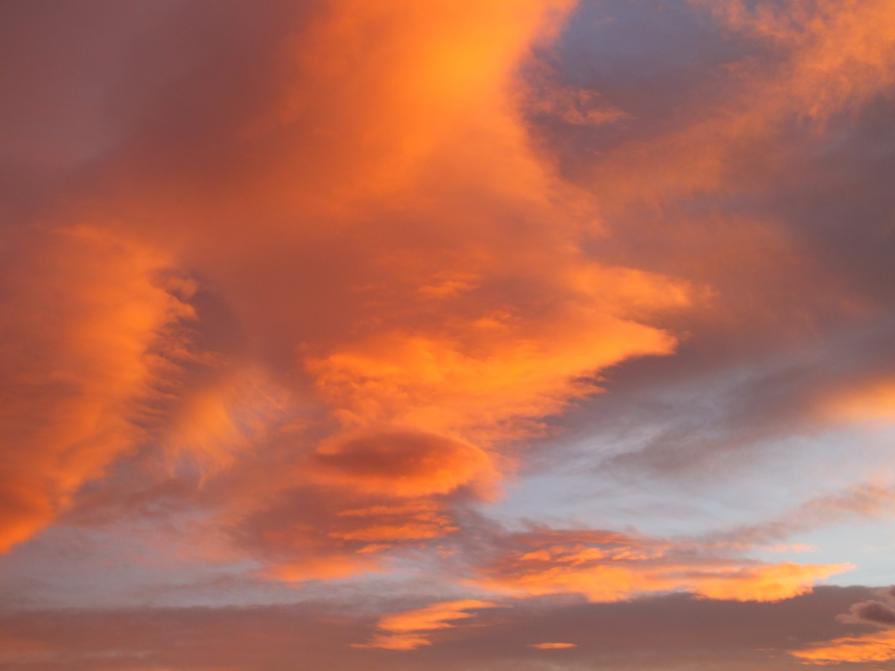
(447, 335)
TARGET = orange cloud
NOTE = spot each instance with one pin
(829, 57)
(375, 289)
(401, 463)
(877, 646)
(93, 331)
(222, 413)
(873, 401)
(770, 582)
(606, 567)
(359, 497)
(841, 51)
(371, 329)
(553, 646)
(863, 649)
(485, 377)
(409, 630)
(313, 534)
(414, 292)
(316, 265)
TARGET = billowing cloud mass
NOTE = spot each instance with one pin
(428, 325)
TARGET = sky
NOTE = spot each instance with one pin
(543, 335)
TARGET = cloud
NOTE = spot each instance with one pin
(411, 629)
(357, 320)
(308, 285)
(841, 52)
(607, 566)
(878, 646)
(493, 374)
(396, 463)
(863, 649)
(861, 501)
(744, 166)
(869, 400)
(312, 533)
(556, 645)
(93, 333)
(871, 612)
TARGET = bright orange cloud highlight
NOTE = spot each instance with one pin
(870, 402)
(863, 649)
(409, 630)
(553, 646)
(770, 582)
(606, 567)
(93, 331)
(492, 374)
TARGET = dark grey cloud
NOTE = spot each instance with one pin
(879, 611)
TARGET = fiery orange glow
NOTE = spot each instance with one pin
(873, 647)
(871, 402)
(607, 567)
(410, 629)
(773, 582)
(92, 329)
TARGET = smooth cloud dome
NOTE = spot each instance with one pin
(401, 463)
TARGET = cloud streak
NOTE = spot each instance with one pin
(607, 566)
(411, 629)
